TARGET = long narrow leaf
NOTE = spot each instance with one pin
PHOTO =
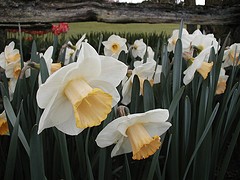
(12, 152)
(211, 119)
(12, 117)
(36, 156)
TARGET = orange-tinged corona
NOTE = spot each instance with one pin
(91, 105)
(3, 127)
(115, 48)
(55, 67)
(143, 145)
(205, 69)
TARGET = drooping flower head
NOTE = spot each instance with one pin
(186, 39)
(202, 41)
(144, 71)
(114, 45)
(231, 55)
(138, 48)
(3, 124)
(222, 82)
(136, 133)
(81, 94)
(199, 64)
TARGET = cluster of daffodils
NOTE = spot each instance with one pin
(196, 48)
(85, 87)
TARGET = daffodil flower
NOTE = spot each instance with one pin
(10, 55)
(136, 133)
(200, 64)
(144, 71)
(114, 45)
(3, 124)
(202, 41)
(222, 82)
(10, 61)
(81, 94)
(186, 39)
(139, 48)
(231, 55)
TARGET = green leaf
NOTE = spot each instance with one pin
(55, 44)
(205, 132)
(36, 156)
(228, 154)
(12, 117)
(135, 95)
(103, 151)
(128, 172)
(43, 70)
(64, 154)
(175, 102)
(12, 152)
(89, 167)
(148, 96)
(177, 67)
(34, 55)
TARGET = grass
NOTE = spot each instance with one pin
(87, 27)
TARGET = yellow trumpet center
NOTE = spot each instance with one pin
(115, 48)
(91, 105)
(143, 145)
(3, 127)
(205, 69)
(55, 67)
(13, 58)
(221, 86)
(17, 70)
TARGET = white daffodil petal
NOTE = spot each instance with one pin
(109, 135)
(157, 128)
(123, 146)
(58, 111)
(116, 69)
(89, 61)
(127, 92)
(47, 90)
(69, 127)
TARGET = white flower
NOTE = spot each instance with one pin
(81, 94)
(143, 71)
(201, 41)
(200, 64)
(114, 45)
(186, 39)
(139, 48)
(137, 133)
(10, 55)
(229, 55)
(222, 82)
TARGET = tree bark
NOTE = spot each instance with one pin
(42, 12)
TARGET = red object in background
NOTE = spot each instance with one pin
(60, 28)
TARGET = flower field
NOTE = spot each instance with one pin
(118, 106)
